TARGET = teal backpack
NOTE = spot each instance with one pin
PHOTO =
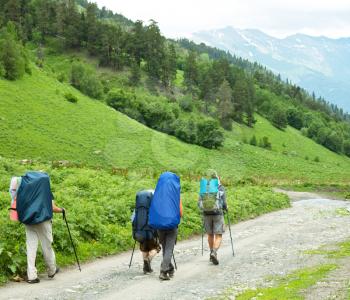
(209, 199)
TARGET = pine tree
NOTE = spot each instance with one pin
(249, 106)
(168, 69)
(240, 96)
(225, 107)
(12, 10)
(137, 44)
(68, 25)
(155, 51)
(135, 76)
(191, 75)
(92, 28)
(12, 54)
(45, 17)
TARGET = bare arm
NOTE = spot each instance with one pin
(222, 192)
(56, 209)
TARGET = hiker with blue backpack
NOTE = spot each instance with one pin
(142, 232)
(33, 205)
(164, 215)
(212, 203)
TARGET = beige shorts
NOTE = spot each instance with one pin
(214, 224)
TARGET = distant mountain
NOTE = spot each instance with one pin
(318, 64)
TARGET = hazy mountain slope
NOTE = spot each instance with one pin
(318, 64)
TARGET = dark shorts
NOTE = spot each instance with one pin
(150, 245)
(214, 224)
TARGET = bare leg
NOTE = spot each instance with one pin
(152, 254)
(144, 255)
(217, 241)
(211, 241)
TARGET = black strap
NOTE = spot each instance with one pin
(12, 209)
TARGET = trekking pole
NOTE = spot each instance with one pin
(202, 234)
(132, 254)
(70, 236)
(174, 261)
(229, 227)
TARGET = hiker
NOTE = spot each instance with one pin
(212, 203)
(35, 207)
(142, 232)
(164, 215)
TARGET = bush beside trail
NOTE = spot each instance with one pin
(99, 205)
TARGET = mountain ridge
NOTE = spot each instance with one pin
(318, 64)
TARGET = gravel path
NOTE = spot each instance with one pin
(270, 245)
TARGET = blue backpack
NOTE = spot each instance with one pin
(164, 212)
(141, 231)
(34, 198)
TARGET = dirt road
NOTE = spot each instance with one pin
(272, 244)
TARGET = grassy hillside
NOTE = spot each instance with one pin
(111, 157)
(37, 122)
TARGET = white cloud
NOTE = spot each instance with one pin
(182, 17)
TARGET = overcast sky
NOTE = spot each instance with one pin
(276, 17)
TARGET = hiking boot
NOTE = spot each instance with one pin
(147, 267)
(53, 275)
(150, 270)
(164, 276)
(213, 258)
(171, 271)
(36, 280)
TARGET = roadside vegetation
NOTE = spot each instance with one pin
(107, 197)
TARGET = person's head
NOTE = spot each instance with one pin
(212, 174)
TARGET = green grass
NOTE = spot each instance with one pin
(335, 190)
(291, 286)
(37, 122)
(342, 250)
(179, 81)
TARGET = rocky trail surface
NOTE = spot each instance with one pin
(270, 245)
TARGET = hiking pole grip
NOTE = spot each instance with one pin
(132, 254)
(70, 236)
(229, 227)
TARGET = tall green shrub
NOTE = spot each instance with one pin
(209, 134)
(85, 79)
(13, 58)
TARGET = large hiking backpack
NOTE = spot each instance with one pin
(34, 198)
(164, 212)
(209, 195)
(141, 231)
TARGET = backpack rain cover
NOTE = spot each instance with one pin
(141, 231)
(34, 198)
(164, 212)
